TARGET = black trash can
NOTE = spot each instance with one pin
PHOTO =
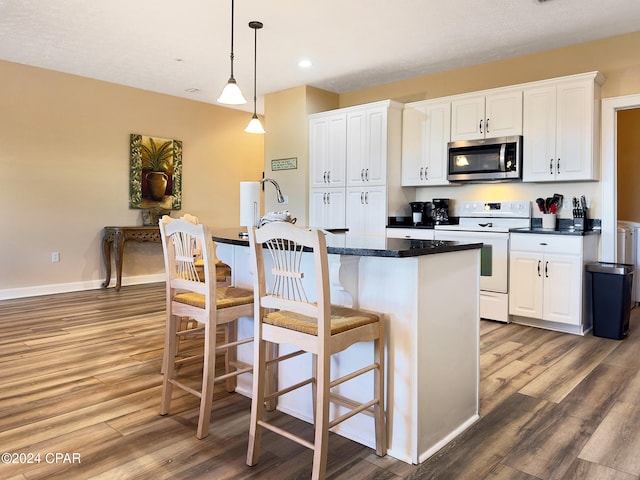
(611, 298)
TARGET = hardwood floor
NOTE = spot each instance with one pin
(79, 375)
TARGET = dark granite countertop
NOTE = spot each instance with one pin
(564, 227)
(557, 231)
(365, 246)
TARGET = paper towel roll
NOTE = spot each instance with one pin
(249, 204)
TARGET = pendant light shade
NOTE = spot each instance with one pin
(231, 94)
(254, 124)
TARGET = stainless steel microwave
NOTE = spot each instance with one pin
(490, 159)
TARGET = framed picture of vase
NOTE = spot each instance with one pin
(155, 167)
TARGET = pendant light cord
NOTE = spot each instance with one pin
(232, 10)
(255, 68)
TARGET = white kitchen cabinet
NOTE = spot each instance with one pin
(327, 208)
(426, 131)
(411, 233)
(366, 140)
(490, 115)
(367, 146)
(328, 149)
(561, 129)
(547, 285)
(366, 210)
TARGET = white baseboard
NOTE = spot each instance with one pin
(22, 292)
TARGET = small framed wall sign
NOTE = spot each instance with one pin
(284, 164)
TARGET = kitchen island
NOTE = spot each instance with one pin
(429, 292)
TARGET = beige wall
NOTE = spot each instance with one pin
(287, 137)
(617, 58)
(65, 172)
(629, 165)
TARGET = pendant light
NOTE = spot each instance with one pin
(254, 124)
(231, 94)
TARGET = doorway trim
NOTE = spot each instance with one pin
(609, 199)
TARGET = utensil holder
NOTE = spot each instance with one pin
(549, 221)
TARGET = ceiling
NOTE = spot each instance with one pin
(175, 47)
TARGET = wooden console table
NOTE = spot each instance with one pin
(118, 236)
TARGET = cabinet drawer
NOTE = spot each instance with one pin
(546, 243)
(414, 233)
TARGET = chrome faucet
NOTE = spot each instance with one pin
(279, 197)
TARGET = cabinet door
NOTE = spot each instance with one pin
(539, 131)
(413, 145)
(356, 147)
(327, 208)
(366, 211)
(426, 131)
(503, 114)
(562, 288)
(367, 147)
(438, 134)
(467, 118)
(525, 284)
(574, 142)
(376, 134)
(328, 150)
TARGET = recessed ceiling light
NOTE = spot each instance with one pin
(304, 63)
(192, 90)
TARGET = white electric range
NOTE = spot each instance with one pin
(489, 223)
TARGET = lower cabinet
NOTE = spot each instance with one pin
(547, 284)
(366, 210)
(327, 208)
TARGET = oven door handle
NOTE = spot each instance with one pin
(485, 225)
(503, 151)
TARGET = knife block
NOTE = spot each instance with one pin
(580, 223)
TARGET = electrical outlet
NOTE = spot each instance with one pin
(55, 257)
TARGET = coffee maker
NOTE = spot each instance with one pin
(421, 213)
(440, 212)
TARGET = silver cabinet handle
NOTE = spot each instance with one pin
(361, 198)
(558, 166)
(539, 262)
(362, 174)
(329, 176)
(551, 167)
(328, 199)
(421, 176)
(366, 175)
(486, 125)
(546, 269)
(480, 126)
(426, 173)
(366, 198)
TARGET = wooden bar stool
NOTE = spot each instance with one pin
(285, 314)
(201, 299)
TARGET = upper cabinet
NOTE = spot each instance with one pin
(328, 149)
(367, 146)
(426, 131)
(489, 115)
(561, 129)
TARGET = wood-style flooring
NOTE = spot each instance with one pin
(80, 375)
